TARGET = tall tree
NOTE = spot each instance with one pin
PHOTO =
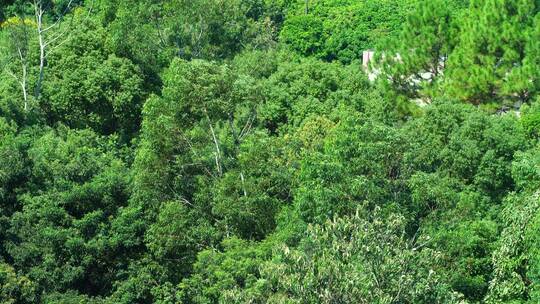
(493, 56)
(36, 34)
(361, 259)
(15, 48)
(413, 62)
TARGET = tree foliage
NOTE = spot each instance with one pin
(217, 151)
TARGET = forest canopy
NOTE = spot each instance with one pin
(241, 151)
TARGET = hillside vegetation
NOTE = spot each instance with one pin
(235, 151)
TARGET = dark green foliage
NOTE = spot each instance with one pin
(89, 87)
(59, 235)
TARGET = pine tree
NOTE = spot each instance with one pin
(414, 61)
(493, 60)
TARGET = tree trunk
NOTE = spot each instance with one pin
(38, 8)
(216, 144)
(23, 85)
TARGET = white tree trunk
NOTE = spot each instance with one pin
(38, 9)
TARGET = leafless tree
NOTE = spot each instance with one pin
(18, 35)
(49, 37)
(22, 31)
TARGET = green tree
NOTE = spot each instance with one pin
(15, 288)
(224, 276)
(495, 58)
(60, 236)
(341, 30)
(193, 184)
(301, 88)
(516, 259)
(89, 87)
(414, 60)
(458, 171)
(358, 259)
